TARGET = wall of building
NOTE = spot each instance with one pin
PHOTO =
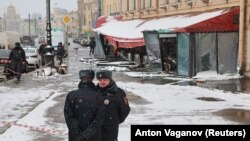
(88, 12)
(134, 9)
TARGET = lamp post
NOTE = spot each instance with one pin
(49, 56)
(48, 26)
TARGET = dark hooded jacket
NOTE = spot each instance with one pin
(84, 113)
(116, 110)
(17, 54)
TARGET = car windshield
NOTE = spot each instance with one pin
(29, 50)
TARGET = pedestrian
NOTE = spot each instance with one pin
(116, 105)
(42, 51)
(18, 59)
(84, 110)
(92, 45)
(60, 52)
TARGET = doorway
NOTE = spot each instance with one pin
(168, 46)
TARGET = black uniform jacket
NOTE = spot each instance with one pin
(84, 113)
(116, 110)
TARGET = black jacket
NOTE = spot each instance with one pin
(116, 110)
(17, 54)
(84, 113)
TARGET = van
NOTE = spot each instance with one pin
(8, 39)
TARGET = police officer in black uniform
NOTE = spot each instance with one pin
(84, 110)
(18, 58)
(116, 105)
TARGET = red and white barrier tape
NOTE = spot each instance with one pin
(34, 128)
(25, 74)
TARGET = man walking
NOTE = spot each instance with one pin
(92, 45)
(18, 58)
(84, 110)
(116, 105)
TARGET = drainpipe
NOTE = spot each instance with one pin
(241, 65)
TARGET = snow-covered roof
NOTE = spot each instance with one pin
(133, 28)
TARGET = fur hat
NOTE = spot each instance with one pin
(86, 74)
(104, 74)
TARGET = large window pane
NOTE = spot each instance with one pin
(131, 4)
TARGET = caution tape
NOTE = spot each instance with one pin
(26, 74)
(35, 128)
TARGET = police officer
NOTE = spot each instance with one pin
(18, 58)
(116, 105)
(84, 110)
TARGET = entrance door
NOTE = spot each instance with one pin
(168, 47)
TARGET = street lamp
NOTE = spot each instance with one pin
(48, 56)
(48, 26)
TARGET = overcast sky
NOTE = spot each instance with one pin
(24, 7)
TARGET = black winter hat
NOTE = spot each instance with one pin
(104, 74)
(86, 74)
(17, 44)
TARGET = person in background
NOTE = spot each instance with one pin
(60, 52)
(92, 45)
(84, 110)
(18, 58)
(116, 105)
(41, 51)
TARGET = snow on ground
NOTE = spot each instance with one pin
(15, 102)
(212, 75)
(19, 102)
(162, 104)
(168, 104)
(207, 75)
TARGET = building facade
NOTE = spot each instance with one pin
(11, 20)
(143, 9)
(88, 12)
(58, 24)
(134, 9)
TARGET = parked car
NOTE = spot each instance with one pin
(5, 63)
(27, 40)
(41, 39)
(85, 41)
(32, 57)
(77, 40)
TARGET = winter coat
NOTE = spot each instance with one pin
(17, 54)
(84, 113)
(60, 51)
(116, 110)
(42, 49)
(92, 44)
